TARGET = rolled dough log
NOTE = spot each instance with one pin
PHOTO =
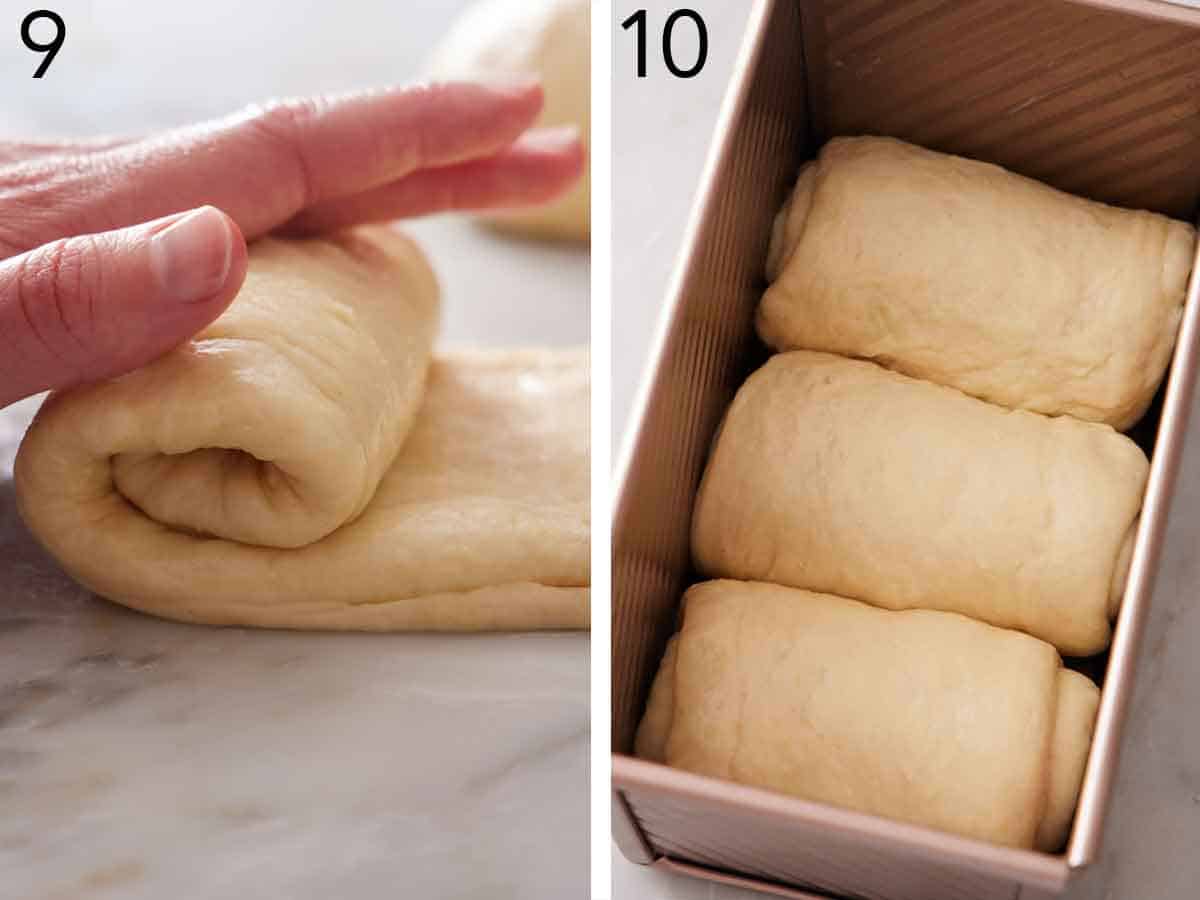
(838, 475)
(921, 716)
(549, 39)
(964, 274)
(294, 466)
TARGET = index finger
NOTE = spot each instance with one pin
(268, 163)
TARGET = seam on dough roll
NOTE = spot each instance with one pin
(788, 227)
(447, 495)
(650, 742)
(839, 475)
(1077, 699)
(961, 273)
(1120, 574)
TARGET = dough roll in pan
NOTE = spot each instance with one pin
(305, 462)
(962, 273)
(921, 716)
(838, 475)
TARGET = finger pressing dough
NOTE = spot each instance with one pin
(303, 464)
(922, 716)
(548, 39)
(962, 273)
(838, 475)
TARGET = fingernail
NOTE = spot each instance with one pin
(192, 256)
(513, 84)
(558, 138)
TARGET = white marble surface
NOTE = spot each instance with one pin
(661, 127)
(143, 759)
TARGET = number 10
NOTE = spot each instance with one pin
(638, 20)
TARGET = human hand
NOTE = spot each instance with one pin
(114, 251)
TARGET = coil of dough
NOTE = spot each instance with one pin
(838, 475)
(549, 39)
(962, 273)
(305, 462)
(920, 716)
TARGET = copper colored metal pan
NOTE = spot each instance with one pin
(1099, 98)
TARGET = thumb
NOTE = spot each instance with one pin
(91, 307)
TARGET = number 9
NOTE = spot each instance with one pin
(51, 49)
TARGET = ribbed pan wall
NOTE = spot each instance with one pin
(702, 362)
(1090, 100)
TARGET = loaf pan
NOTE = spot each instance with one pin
(1098, 98)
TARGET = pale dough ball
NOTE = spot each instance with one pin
(550, 39)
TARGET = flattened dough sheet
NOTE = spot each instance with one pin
(920, 716)
(964, 274)
(303, 463)
(839, 475)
